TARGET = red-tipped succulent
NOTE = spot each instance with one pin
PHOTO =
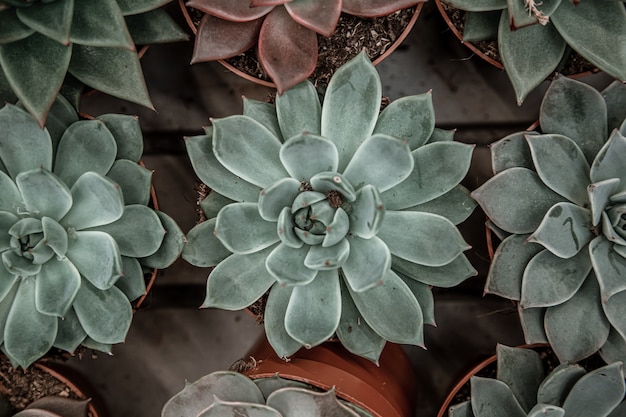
(285, 31)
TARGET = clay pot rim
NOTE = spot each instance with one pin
(246, 76)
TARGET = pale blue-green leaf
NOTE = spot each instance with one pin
(456, 205)
(299, 110)
(133, 179)
(171, 246)
(308, 403)
(609, 163)
(511, 151)
(203, 248)
(12, 29)
(481, 26)
(286, 265)
(132, 7)
(104, 314)
(424, 296)
(351, 106)
(248, 150)
(12, 284)
(44, 194)
(56, 286)
(11, 198)
(86, 146)
(494, 398)
(35, 68)
(382, 161)
(392, 311)
(97, 201)
(529, 55)
(310, 239)
(238, 281)
(614, 349)
(222, 408)
(609, 267)
(7, 220)
(285, 229)
(70, 333)
(531, 320)
(314, 309)
(305, 155)
(516, 200)
(411, 119)
(614, 309)
(445, 276)
(583, 312)
(62, 114)
(6, 282)
(41, 252)
(264, 113)
(107, 17)
(619, 411)
(615, 98)
(557, 385)
(89, 343)
(367, 213)
(324, 182)
(242, 230)
(441, 135)
(521, 16)
(274, 383)
(131, 282)
(463, 409)
(478, 5)
(19, 265)
(324, 258)
(274, 198)
(23, 145)
(576, 110)
(565, 230)
(306, 199)
(561, 165)
(604, 47)
(596, 393)
(522, 371)
(367, 264)
(609, 231)
(96, 256)
(423, 238)
(438, 167)
(546, 410)
(53, 19)
(213, 203)
(354, 333)
(337, 229)
(274, 321)
(127, 134)
(600, 194)
(154, 27)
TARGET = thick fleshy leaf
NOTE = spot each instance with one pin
(495, 396)
(381, 161)
(441, 135)
(375, 8)
(133, 179)
(511, 151)
(445, 276)
(516, 200)
(423, 238)
(222, 408)
(89, 343)
(7, 220)
(19, 265)
(351, 106)
(203, 248)
(12, 29)
(557, 385)
(324, 182)
(127, 134)
(337, 229)
(11, 198)
(327, 257)
(561, 165)
(481, 26)
(320, 16)
(609, 163)
(23, 145)
(171, 246)
(28, 334)
(70, 333)
(221, 39)
(367, 213)
(132, 7)
(531, 320)
(424, 296)
(614, 348)
(367, 264)
(565, 230)
(107, 17)
(248, 150)
(85, 146)
(44, 194)
(314, 309)
(576, 110)
(154, 27)
(287, 50)
(392, 311)
(529, 55)
(213, 203)
(293, 401)
(582, 312)
(132, 281)
(10, 286)
(299, 111)
(600, 390)
(463, 409)
(53, 19)
(305, 155)
(411, 119)
(62, 114)
(608, 266)
(615, 98)
(264, 113)
(104, 314)
(286, 265)
(274, 321)
(429, 180)
(614, 309)
(456, 205)
(235, 11)
(478, 5)
(97, 201)
(522, 371)
(242, 230)
(35, 68)
(56, 286)
(238, 281)
(285, 229)
(96, 256)
(546, 410)
(273, 199)
(600, 195)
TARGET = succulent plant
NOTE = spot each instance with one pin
(535, 37)
(346, 216)
(520, 389)
(43, 43)
(558, 198)
(230, 393)
(285, 31)
(51, 406)
(75, 230)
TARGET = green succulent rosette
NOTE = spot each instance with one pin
(559, 201)
(345, 215)
(76, 232)
(44, 43)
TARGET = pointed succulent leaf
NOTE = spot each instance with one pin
(133, 180)
(609, 161)
(411, 119)
(608, 266)
(615, 98)
(286, 231)
(43, 193)
(171, 246)
(286, 265)
(481, 26)
(318, 16)
(445, 276)
(242, 230)
(52, 19)
(56, 286)
(427, 239)
(375, 8)
(97, 201)
(107, 17)
(274, 321)
(598, 392)
(11, 198)
(203, 248)
(382, 161)
(269, 385)
(304, 155)
(531, 320)
(584, 311)
(614, 310)
(132, 281)
(441, 135)
(18, 265)
(292, 401)
(264, 113)
(154, 27)
(512, 151)
(424, 296)
(101, 270)
(429, 180)
(299, 111)
(495, 397)
(62, 114)
(522, 371)
(478, 5)
(12, 29)
(213, 203)
(324, 258)
(391, 310)
(287, 50)
(558, 384)
(28, 334)
(516, 200)
(70, 333)
(274, 198)
(89, 343)
(7, 220)
(463, 409)
(337, 229)
(600, 194)
(367, 212)
(561, 165)
(104, 314)
(324, 182)
(132, 7)
(576, 110)
(351, 106)
(546, 410)
(234, 11)
(613, 350)
(456, 205)
(521, 16)
(10, 287)
(224, 408)
(220, 39)
(127, 134)
(367, 264)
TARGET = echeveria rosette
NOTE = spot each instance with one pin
(75, 231)
(46, 43)
(347, 215)
(285, 31)
(522, 389)
(559, 198)
(532, 51)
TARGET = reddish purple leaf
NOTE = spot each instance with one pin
(233, 10)
(221, 39)
(320, 16)
(376, 8)
(287, 50)
(257, 3)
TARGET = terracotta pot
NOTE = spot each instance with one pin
(387, 390)
(265, 83)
